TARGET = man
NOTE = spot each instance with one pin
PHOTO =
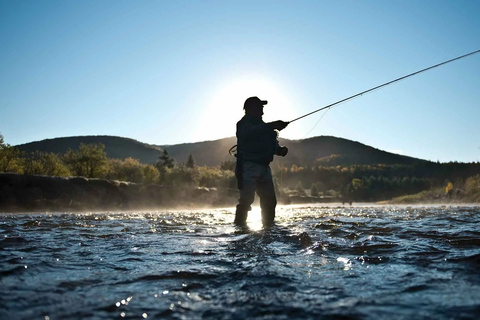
(256, 145)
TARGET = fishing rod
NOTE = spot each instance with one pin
(385, 84)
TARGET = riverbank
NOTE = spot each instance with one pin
(35, 193)
(30, 193)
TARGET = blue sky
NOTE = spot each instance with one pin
(168, 72)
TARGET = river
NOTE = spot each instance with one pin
(316, 262)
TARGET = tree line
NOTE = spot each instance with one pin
(382, 182)
(349, 182)
(91, 161)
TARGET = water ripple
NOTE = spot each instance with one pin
(316, 262)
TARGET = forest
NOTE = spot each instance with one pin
(320, 181)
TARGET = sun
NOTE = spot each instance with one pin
(226, 105)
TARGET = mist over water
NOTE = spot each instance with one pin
(316, 262)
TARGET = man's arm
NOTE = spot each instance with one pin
(281, 150)
(278, 125)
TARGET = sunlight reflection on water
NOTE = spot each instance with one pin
(254, 220)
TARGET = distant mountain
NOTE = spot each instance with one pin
(324, 150)
(206, 153)
(331, 151)
(115, 147)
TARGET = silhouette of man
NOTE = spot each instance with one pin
(256, 145)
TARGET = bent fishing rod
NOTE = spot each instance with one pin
(385, 84)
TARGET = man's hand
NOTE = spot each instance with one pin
(278, 125)
(283, 151)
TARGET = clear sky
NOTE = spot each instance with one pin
(169, 72)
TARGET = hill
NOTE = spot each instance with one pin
(115, 147)
(332, 151)
(206, 153)
(324, 150)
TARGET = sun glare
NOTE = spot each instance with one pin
(254, 220)
(226, 106)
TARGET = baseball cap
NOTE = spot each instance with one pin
(254, 102)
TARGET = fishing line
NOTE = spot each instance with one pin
(316, 123)
(384, 84)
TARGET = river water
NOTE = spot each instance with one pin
(316, 262)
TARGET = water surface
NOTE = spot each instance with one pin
(316, 262)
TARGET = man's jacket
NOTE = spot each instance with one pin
(256, 140)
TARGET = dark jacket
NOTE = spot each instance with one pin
(256, 140)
